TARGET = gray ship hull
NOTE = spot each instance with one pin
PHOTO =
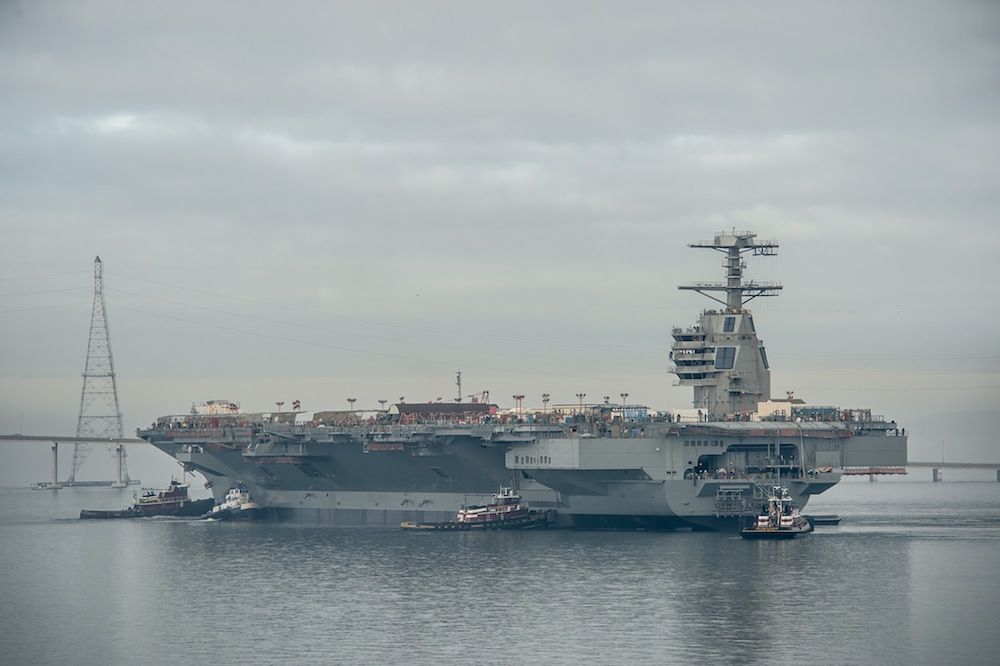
(671, 476)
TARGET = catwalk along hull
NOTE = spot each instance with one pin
(654, 476)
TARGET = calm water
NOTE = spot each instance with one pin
(911, 576)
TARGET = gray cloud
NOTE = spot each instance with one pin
(330, 198)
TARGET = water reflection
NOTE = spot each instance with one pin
(898, 582)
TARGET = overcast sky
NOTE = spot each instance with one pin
(318, 201)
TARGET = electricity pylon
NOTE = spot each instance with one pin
(100, 414)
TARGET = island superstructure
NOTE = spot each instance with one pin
(603, 465)
(721, 356)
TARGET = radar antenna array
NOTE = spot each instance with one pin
(738, 293)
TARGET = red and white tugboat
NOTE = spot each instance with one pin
(506, 508)
(779, 520)
(505, 512)
(172, 501)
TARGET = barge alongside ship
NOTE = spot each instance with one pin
(599, 466)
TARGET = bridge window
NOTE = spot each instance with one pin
(729, 325)
(724, 358)
(763, 358)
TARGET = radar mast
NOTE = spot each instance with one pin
(738, 293)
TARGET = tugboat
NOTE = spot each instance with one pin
(173, 501)
(505, 512)
(238, 505)
(779, 519)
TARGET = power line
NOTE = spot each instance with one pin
(651, 381)
(43, 307)
(894, 357)
(39, 277)
(240, 314)
(257, 317)
(42, 291)
(396, 339)
(478, 334)
(321, 345)
(855, 389)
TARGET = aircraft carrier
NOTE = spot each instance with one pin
(601, 466)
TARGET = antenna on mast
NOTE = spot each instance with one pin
(738, 293)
